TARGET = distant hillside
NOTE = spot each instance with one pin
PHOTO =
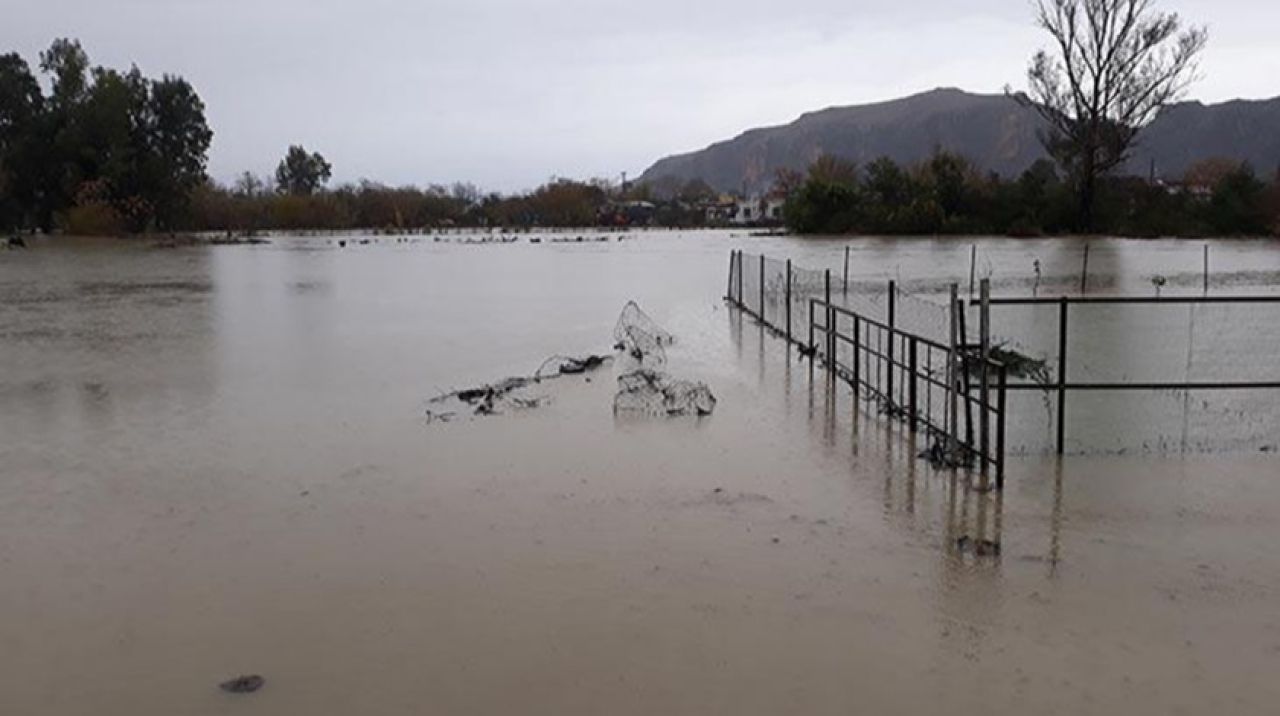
(992, 130)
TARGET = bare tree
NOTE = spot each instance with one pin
(1115, 64)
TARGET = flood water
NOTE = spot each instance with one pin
(215, 461)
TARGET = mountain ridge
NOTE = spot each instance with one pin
(994, 131)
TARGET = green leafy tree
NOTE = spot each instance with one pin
(21, 106)
(301, 173)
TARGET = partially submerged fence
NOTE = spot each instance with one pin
(1061, 385)
(927, 369)
(953, 391)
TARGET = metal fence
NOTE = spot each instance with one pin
(953, 391)
(1062, 385)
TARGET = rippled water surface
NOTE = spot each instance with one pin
(215, 461)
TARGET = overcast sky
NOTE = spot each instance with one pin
(506, 93)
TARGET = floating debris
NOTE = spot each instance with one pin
(488, 400)
(978, 547)
(941, 455)
(1017, 365)
(243, 684)
(647, 392)
(640, 336)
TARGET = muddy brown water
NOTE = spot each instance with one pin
(214, 462)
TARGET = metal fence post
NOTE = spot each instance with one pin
(857, 354)
(762, 318)
(984, 338)
(893, 323)
(788, 296)
(728, 291)
(953, 408)
(740, 267)
(831, 330)
(1001, 402)
(1062, 374)
(846, 270)
(912, 389)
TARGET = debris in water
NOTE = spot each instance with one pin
(434, 417)
(941, 456)
(243, 684)
(647, 392)
(644, 391)
(566, 365)
(979, 547)
(640, 336)
(1017, 365)
(493, 399)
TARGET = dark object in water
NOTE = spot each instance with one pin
(1017, 365)
(640, 336)
(576, 366)
(243, 684)
(489, 399)
(647, 392)
(940, 456)
(342, 244)
(568, 365)
(17, 242)
(979, 547)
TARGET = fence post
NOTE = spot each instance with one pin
(728, 291)
(857, 355)
(1001, 402)
(984, 338)
(762, 318)
(965, 385)
(913, 366)
(893, 323)
(1206, 269)
(1062, 374)
(831, 329)
(741, 265)
(846, 270)
(973, 267)
(1084, 272)
(813, 347)
(953, 409)
(788, 296)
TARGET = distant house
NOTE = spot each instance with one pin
(759, 211)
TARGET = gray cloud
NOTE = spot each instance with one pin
(506, 93)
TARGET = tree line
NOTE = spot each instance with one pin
(104, 151)
(946, 194)
(108, 152)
